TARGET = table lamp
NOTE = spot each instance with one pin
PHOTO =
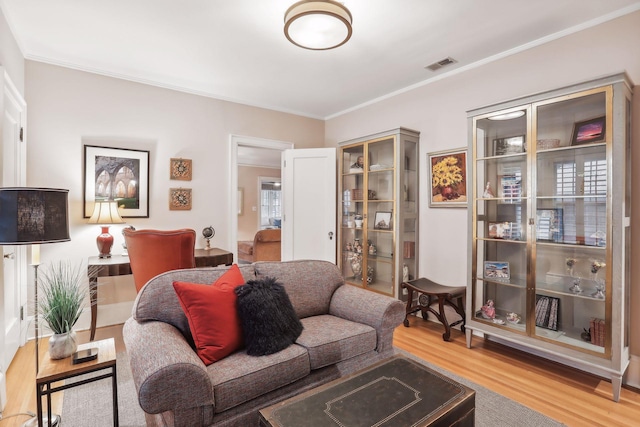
(105, 213)
(34, 216)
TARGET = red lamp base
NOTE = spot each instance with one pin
(105, 242)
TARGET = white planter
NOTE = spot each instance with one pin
(62, 345)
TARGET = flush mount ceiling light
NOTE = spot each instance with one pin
(318, 24)
(507, 116)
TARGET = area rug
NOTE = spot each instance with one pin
(89, 405)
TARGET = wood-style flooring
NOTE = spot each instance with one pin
(562, 393)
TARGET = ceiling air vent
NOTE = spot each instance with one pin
(442, 63)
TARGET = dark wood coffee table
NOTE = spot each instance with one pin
(396, 392)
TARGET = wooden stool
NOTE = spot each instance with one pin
(445, 294)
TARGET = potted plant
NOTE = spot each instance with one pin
(63, 298)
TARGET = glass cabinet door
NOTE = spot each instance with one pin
(352, 214)
(409, 205)
(380, 218)
(571, 226)
(501, 210)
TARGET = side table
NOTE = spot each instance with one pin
(63, 369)
(452, 296)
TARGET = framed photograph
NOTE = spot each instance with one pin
(511, 145)
(180, 169)
(500, 230)
(448, 177)
(589, 131)
(180, 199)
(117, 174)
(549, 226)
(547, 312)
(496, 270)
(382, 221)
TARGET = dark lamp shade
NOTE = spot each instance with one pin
(33, 215)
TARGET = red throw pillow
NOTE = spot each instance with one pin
(213, 315)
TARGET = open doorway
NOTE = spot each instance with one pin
(251, 160)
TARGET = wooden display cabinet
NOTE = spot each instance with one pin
(378, 210)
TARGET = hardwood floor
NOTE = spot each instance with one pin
(564, 394)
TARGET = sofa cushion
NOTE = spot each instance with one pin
(212, 314)
(158, 300)
(239, 377)
(330, 339)
(269, 323)
(309, 284)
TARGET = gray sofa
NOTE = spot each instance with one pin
(345, 329)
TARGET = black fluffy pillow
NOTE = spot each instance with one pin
(269, 323)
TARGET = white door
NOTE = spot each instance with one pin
(309, 199)
(12, 287)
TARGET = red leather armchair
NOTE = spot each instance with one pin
(152, 252)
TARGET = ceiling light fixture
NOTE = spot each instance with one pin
(318, 24)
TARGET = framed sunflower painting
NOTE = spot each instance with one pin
(448, 176)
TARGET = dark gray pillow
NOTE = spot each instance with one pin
(269, 322)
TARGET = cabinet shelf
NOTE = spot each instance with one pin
(571, 245)
(521, 284)
(504, 156)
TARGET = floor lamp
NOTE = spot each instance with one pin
(34, 216)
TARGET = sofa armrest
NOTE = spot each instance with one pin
(167, 372)
(381, 312)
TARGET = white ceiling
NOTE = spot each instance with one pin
(235, 49)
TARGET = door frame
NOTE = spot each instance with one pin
(11, 94)
(236, 141)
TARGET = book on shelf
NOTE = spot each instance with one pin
(597, 331)
(409, 249)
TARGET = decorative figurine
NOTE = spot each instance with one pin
(359, 164)
(356, 266)
(488, 310)
(372, 248)
(488, 192)
(405, 273)
(357, 247)
(596, 265)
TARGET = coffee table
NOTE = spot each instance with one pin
(396, 392)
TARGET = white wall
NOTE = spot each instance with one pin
(68, 108)
(10, 55)
(438, 111)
